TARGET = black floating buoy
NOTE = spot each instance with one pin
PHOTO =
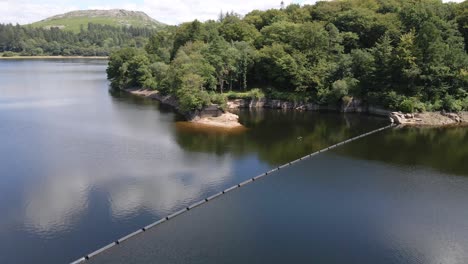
(188, 209)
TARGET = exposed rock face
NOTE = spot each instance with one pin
(271, 103)
(357, 106)
(354, 105)
(165, 99)
(211, 111)
(214, 116)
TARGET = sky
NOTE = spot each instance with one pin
(169, 12)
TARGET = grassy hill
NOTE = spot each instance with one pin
(116, 17)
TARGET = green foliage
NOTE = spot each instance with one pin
(232, 28)
(402, 55)
(219, 99)
(449, 103)
(8, 54)
(465, 104)
(287, 96)
(255, 93)
(92, 40)
(191, 97)
(391, 100)
(74, 21)
(407, 106)
(342, 87)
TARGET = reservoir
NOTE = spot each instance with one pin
(82, 165)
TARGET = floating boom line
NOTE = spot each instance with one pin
(188, 208)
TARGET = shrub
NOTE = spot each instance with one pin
(190, 100)
(419, 106)
(449, 103)
(8, 54)
(256, 94)
(347, 99)
(237, 95)
(150, 83)
(288, 96)
(435, 106)
(219, 99)
(252, 94)
(342, 87)
(407, 106)
(465, 104)
(410, 105)
(392, 100)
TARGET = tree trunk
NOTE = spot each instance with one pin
(221, 84)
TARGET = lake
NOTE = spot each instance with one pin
(395, 197)
(82, 165)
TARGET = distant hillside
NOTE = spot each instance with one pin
(116, 17)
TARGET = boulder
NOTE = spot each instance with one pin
(455, 117)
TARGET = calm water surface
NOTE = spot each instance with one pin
(396, 197)
(81, 166)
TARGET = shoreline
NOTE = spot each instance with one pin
(424, 119)
(229, 120)
(53, 57)
(226, 120)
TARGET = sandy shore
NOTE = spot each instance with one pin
(226, 120)
(53, 57)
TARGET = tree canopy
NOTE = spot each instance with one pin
(408, 55)
(93, 40)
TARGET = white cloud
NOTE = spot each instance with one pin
(23, 12)
(186, 10)
(171, 12)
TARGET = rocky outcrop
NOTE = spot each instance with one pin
(353, 105)
(455, 117)
(214, 116)
(118, 14)
(357, 106)
(211, 115)
(225, 120)
(429, 118)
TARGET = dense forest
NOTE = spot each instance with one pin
(93, 40)
(407, 55)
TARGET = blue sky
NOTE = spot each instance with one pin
(171, 12)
